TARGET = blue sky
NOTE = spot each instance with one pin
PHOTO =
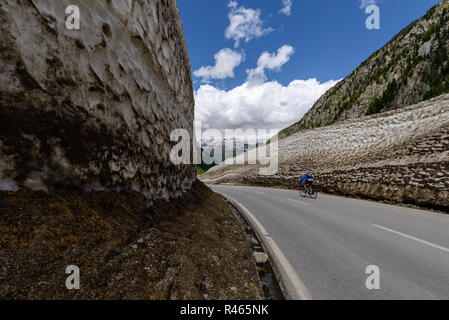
(307, 48)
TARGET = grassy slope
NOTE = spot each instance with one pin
(200, 170)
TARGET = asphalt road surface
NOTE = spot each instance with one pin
(330, 242)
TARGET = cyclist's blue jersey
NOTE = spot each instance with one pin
(306, 178)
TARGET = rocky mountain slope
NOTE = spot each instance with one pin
(412, 67)
(400, 155)
(93, 107)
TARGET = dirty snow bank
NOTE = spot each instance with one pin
(94, 107)
(401, 155)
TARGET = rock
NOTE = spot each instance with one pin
(254, 241)
(265, 285)
(134, 246)
(260, 257)
(140, 240)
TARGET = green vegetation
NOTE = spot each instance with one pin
(378, 75)
(428, 34)
(348, 104)
(381, 103)
(437, 74)
(199, 170)
(202, 168)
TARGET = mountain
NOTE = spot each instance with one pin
(235, 145)
(381, 133)
(412, 67)
(400, 156)
(229, 147)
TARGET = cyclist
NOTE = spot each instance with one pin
(308, 181)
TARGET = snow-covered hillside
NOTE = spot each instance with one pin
(401, 155)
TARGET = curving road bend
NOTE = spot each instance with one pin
(331, 241)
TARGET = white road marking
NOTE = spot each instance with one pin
(248, 213)
(413, 238)
(300, 288)
(301, 202)
(259, 192)
(301, 291)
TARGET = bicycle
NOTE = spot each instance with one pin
(312, 194)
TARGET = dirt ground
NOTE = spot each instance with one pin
(193, 248)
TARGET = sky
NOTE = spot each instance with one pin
(261, 64)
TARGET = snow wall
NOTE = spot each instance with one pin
(400, 156)
(93, 107)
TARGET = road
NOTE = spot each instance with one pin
(331, 241)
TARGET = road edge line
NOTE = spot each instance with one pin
(407, 236)
(290, 283)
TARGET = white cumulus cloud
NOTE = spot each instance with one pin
(226, 60)
(233, 4)
(244, 24)
(287, 7)
(269, 105)
(270, 61)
